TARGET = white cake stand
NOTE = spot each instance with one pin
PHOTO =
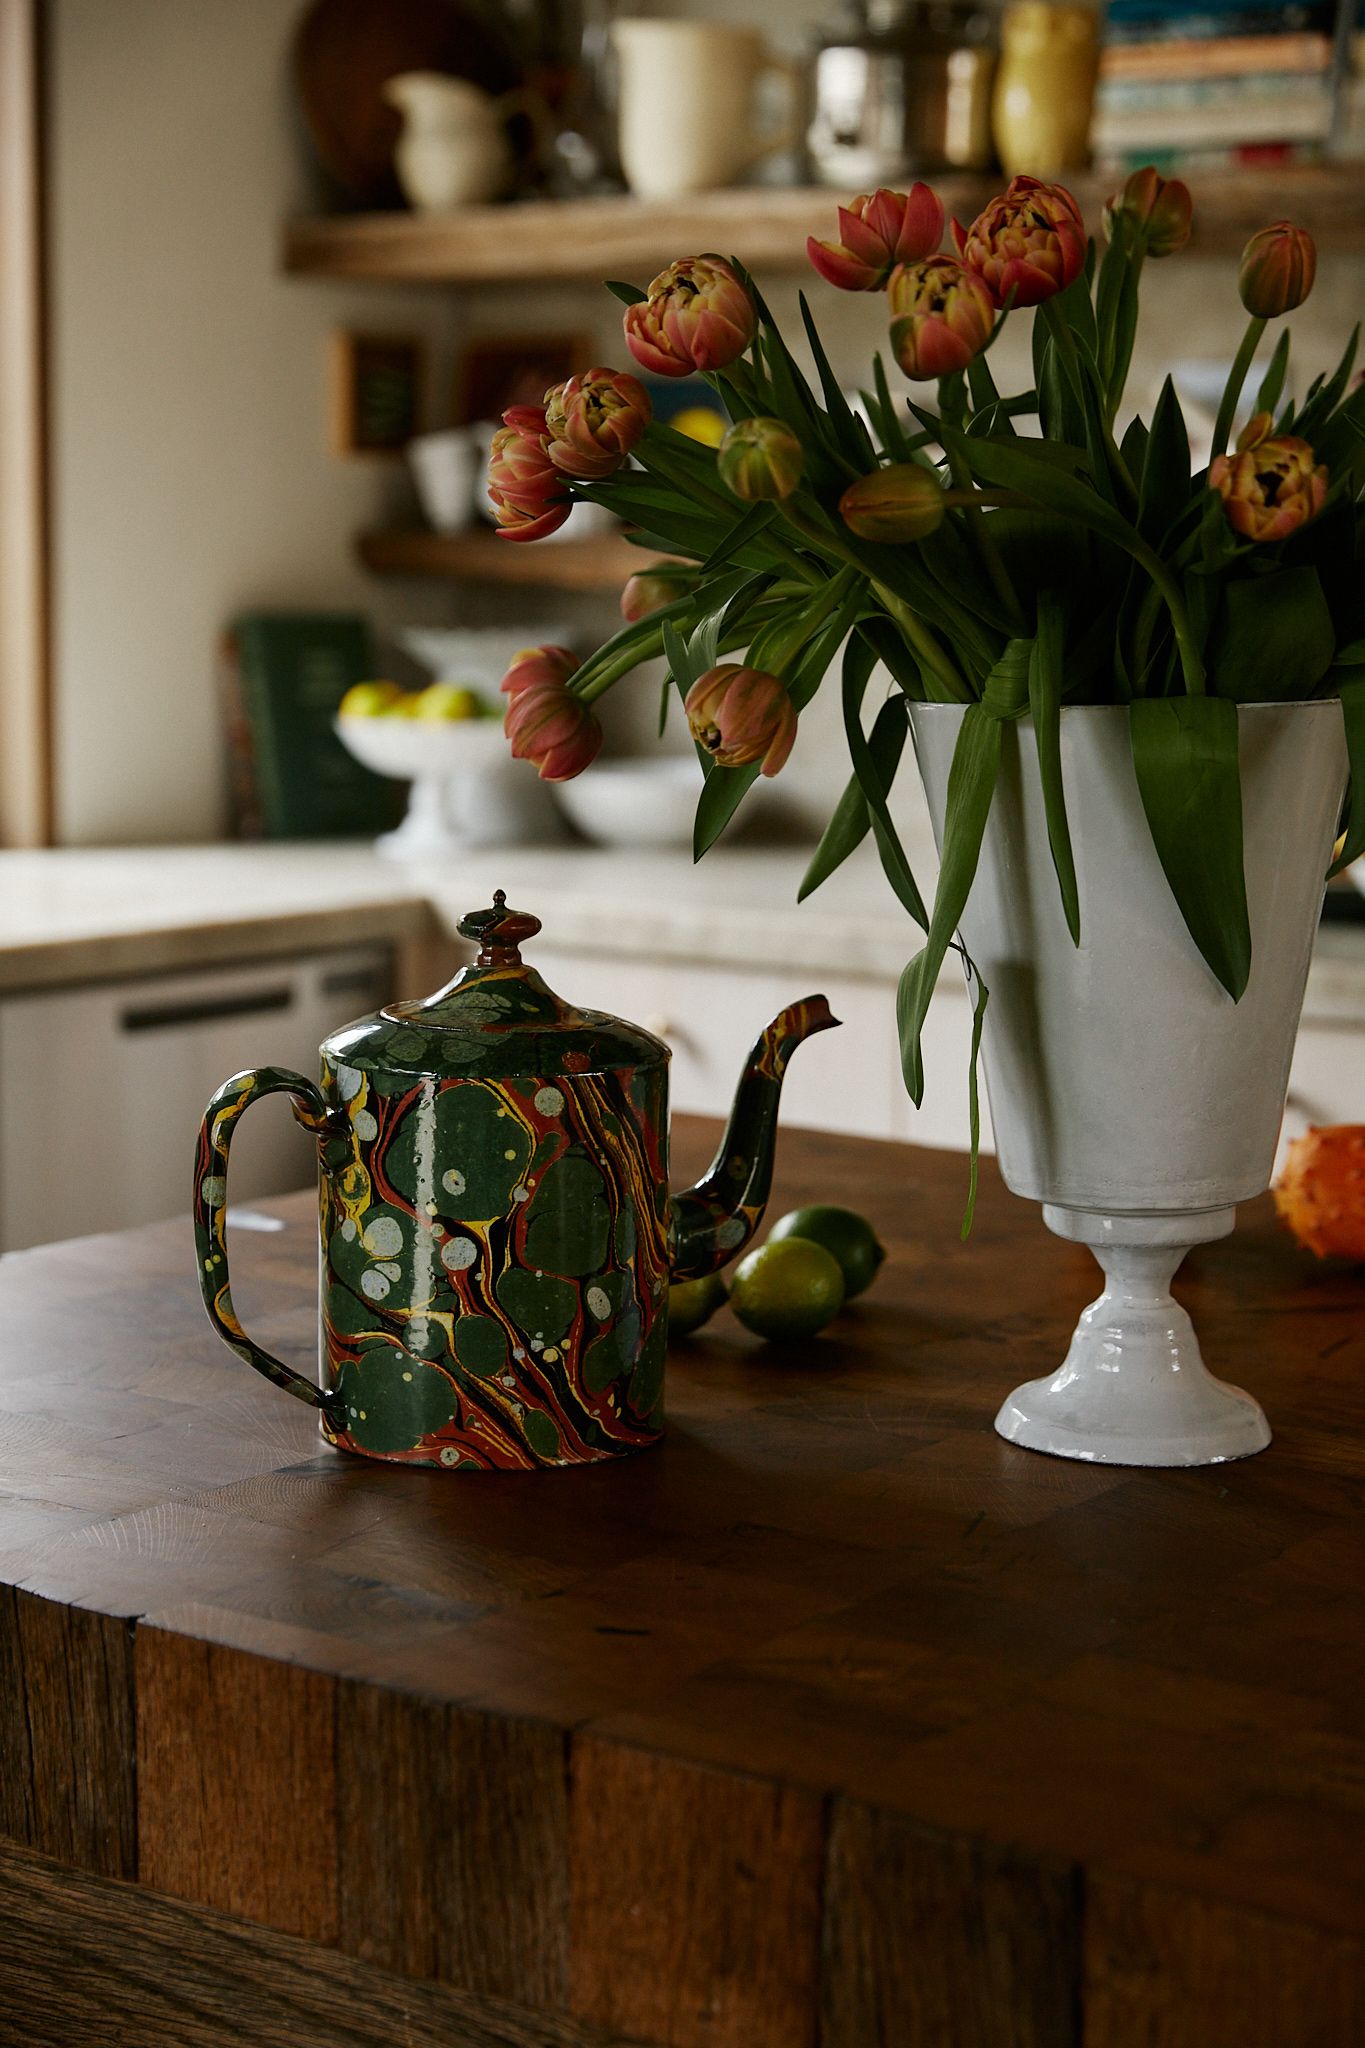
(453, 766)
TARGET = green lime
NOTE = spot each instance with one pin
(692, 1303)
(788, 1289)
(849, 1236)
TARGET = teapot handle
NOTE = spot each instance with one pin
(210, 1214)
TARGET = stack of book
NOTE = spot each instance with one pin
(1219, 87)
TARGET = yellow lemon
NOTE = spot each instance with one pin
(369, 700)
(448, 701)
(699, 423)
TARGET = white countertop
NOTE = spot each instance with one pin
(74, 915)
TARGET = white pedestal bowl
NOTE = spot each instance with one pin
(464, 782)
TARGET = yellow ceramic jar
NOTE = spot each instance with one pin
(1045, 87)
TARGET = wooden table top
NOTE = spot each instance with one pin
(833, 1665)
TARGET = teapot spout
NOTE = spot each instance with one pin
(715, 1220)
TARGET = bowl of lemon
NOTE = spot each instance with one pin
(445, 740)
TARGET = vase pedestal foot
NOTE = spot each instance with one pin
(1133, 1389)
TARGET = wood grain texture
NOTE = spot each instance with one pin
(478, 556)
(236, 1783)
(765, 226)
(85, 1963)
(1164, 1970)
(452, 1845)
(66, 1733)
(929, 1941)
(695, 1903)
(832, 1598)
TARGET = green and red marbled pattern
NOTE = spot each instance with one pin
(497, 1233)
(495, 1268)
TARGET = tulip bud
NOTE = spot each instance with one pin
(1269, 487)
(547, 724)
(1027, 244)
(1279, 264)
(649, 590)
(877, 231)
(1159, 210)
(695, 316)
(740, 715)
(903, 502)
(593, 421)
(529, 496)
(534, 666)
(761, 459)
(942, 315)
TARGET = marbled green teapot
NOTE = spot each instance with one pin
(497, 1231)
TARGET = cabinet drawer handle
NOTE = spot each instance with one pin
(204, 1010)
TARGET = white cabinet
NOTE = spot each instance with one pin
(102, 1088)
(845, 1080)
(1327, 1079)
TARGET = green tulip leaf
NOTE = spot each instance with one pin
(1272, 384)
(874, 764)
(979, 1002)
(849, 824)
(971, 786)
(1351, 690)
(850, 433)
(724, 791)
(1166, 487)
(628, 294)
(984, 390)
(1326, 393)
(746, 529)
(1045, 704)
(1133, 446)
(1274, 638)
(1185, 755)
(886, 417)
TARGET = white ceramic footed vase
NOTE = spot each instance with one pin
(1129, 1094)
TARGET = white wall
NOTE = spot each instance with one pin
(191, 471)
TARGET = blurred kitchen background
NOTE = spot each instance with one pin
(260, 305)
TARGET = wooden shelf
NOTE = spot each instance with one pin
(589, 239)
(479, 556)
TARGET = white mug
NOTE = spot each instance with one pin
(686, 95)
(447, 469)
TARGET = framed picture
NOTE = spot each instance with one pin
(376, 393)
(497, 371)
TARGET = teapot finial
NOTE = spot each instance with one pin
(499, 932)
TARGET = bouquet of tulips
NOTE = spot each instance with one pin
(1013, 552)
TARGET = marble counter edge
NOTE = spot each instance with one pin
(737, 911)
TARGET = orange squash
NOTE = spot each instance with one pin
(1320, 1194)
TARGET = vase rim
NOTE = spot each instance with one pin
(1069, 710)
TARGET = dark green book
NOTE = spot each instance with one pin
(286, 673)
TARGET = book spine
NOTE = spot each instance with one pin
(1216, 56)
(244, 803)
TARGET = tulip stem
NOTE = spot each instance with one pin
(1191, 661)
(983, 540)
(921, 639)
(1079, 379)
(1232, 390)
(924, 645)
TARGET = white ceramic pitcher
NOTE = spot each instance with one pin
(453, 150)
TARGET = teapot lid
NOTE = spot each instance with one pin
(496, 1020)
